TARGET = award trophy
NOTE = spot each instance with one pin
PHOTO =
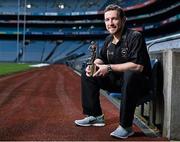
(93, 49)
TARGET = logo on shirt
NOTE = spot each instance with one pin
(124, 52)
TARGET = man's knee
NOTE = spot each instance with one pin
(83, 74)
(86, 78)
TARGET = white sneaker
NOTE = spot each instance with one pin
(122, 133)
(91, 121)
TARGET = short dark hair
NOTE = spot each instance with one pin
(115, 7)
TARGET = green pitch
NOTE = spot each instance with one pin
(9, 68)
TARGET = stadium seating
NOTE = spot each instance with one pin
(8, 50)
(42, 6)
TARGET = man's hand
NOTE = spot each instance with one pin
(102, 70)
(88, 71)
(88, 68)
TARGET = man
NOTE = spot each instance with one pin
(123, 66)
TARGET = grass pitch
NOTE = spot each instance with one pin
(9, 68)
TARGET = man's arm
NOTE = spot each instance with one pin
(126, 66)
(103, 69)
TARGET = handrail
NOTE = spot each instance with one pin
(167, 38)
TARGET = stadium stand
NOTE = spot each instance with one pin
(7, 50)
(47, 31)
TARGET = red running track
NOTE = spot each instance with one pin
(42, 104)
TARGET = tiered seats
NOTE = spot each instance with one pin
(8, 50)
(48, 47)
(33, 51)
(64, 49)
(42, 6)
(127, 3)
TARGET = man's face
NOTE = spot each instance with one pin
(112, 22)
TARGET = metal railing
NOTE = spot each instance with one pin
(163, 39)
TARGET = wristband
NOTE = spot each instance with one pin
(109, 69)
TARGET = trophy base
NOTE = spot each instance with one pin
(93, 69)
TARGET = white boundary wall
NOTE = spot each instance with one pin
(169, 54)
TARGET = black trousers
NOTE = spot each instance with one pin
(133, 85)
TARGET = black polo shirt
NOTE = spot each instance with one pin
(131, 48)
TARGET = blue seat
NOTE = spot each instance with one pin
(116, 95)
